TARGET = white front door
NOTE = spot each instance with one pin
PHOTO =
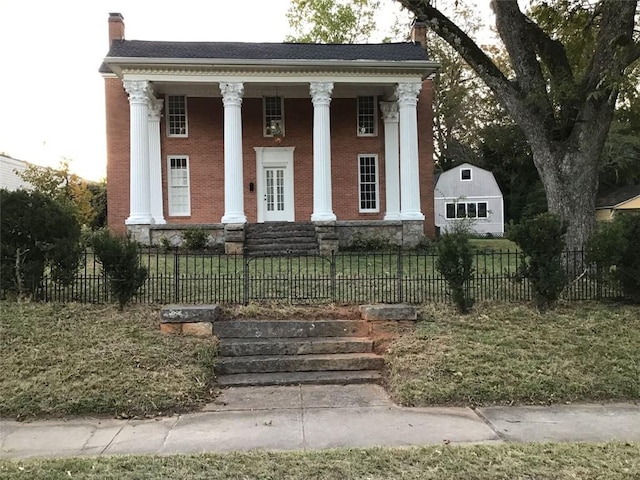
(274, 173)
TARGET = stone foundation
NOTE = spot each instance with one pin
(171, 234)
(400, 233)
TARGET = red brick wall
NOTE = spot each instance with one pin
(117, 111)
(205, 148)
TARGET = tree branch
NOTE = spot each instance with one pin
(513, 96)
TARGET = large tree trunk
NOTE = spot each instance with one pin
(571, 191)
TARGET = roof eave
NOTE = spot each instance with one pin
(423, 67)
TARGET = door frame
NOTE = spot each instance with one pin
(275, 157)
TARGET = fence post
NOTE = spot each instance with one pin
(176, 275)
(245, 277)
(332, 274)
(400, 276)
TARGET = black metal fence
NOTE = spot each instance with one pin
(376, 277)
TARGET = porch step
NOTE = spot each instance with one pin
(235, 347)
(290, 352)
(299, 363)
(335, 377)
(281, 238)
(290, 328)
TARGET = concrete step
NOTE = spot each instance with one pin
(300, 378)
(272, 235)
(290, 328)
(237, 347)
(298, 363)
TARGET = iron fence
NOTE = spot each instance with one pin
(353, 277)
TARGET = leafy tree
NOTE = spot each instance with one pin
(540, 239)
(65, 187)
(504, 151)
(457, 92)
(38, 234)
(455, 264)
(120, 260)
(614, 250)
(562, 97)
(331, 21)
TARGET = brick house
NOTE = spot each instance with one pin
(225, 136)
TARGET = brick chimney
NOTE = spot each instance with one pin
(418, 32)
(116, 27)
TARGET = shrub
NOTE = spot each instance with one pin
(613, 248)
(120, 261)
(455, 264)
(38, 234)
(195, 239)
(371, 243)
(424, 245)
(541, 240)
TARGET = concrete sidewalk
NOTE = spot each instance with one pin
(315, 417)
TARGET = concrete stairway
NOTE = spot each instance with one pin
(281, 238)
(289, 352)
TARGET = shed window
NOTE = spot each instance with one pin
(465, 174)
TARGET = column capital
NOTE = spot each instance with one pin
(155, 109)
(390, 112)
(232, 93)
(321, 92)
(408, 93)
(139, 90)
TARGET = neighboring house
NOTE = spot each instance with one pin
(9, 170)
(471, 193)
(225, 134)
(624, 199)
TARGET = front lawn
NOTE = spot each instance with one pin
(568, 461)
(69, 359)
(508, 353)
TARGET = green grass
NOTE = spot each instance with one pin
(495, 244)
(69, 359)
(568, 461)
(505, 354)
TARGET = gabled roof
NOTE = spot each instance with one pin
(621, 195)
(234, 52)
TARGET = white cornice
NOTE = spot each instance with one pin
(122, 65)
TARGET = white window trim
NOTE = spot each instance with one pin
(375, 116)
(186, 117)
(466, 179)
(377, 166)
(264, 115)
(170, 207)
(455, 210)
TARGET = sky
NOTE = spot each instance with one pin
(52, 103)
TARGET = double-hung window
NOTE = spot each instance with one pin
(176, 115)
(178, 195)
(368, 183)
(367, 117)
(273, 116)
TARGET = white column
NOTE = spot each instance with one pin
(233, 177)
(139, 202)
(155, 161)
(391, 118)
(409, 171)
(322, 205)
